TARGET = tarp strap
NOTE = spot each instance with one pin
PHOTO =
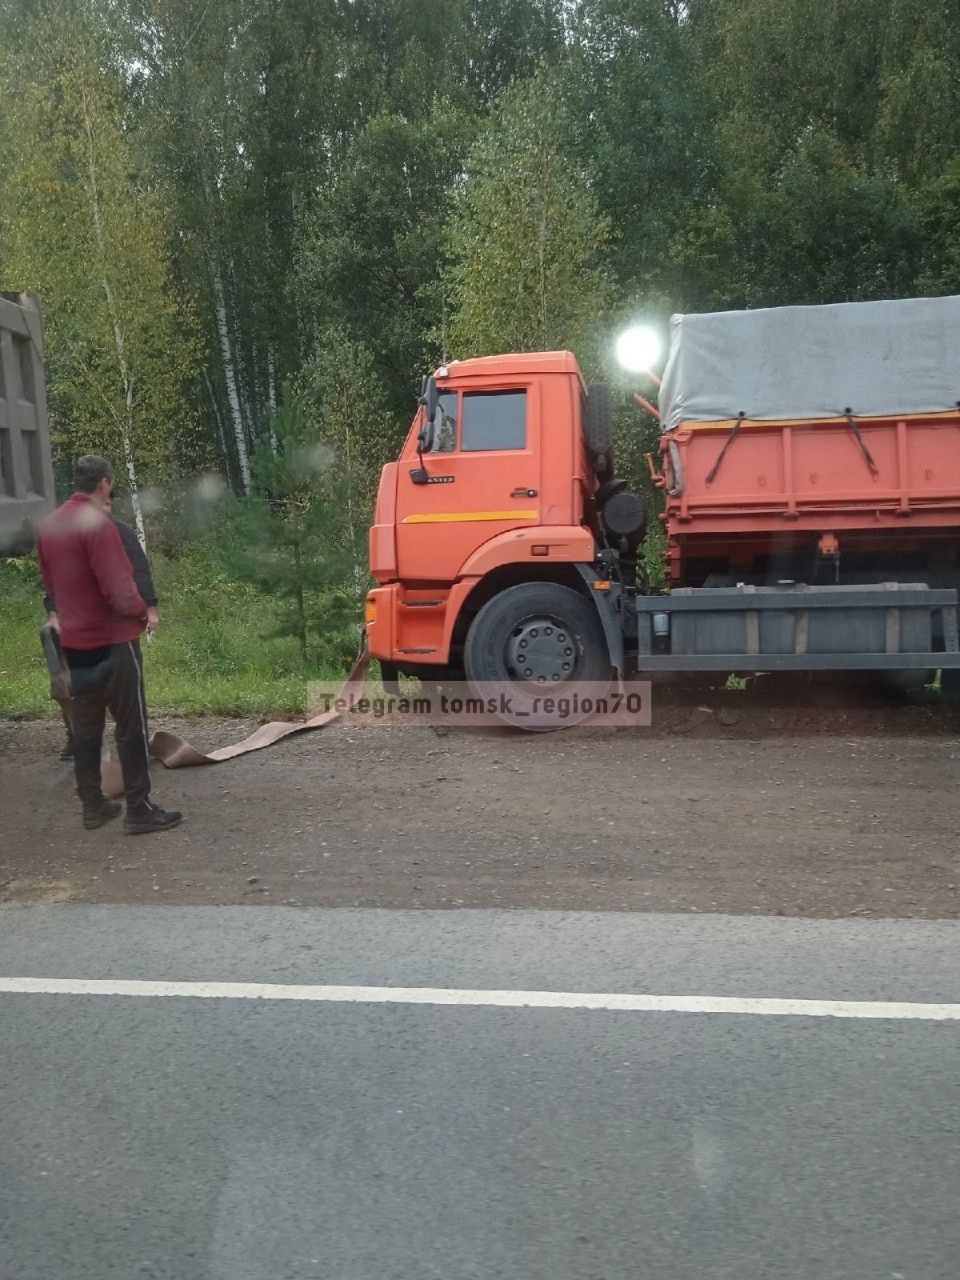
(735, 431)
(868, 456)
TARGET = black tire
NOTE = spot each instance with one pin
(390, 678)
(558, 632)
(598, 430)
(950, 685)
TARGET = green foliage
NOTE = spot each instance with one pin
(818, 230)
(225, 646)
(25, 570)
(833, 128)
(371, 252)
(879, 76)
(301, 170)
(939, 201)
(81, 226)
(346, 404)
(210, 655)
(24, 683)
(527, 242)
(286, 539)
(309, 149)
(642, 131)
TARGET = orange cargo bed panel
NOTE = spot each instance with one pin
(868, 470)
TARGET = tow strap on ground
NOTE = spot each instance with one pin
(173, 752)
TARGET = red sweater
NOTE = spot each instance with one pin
(86, 570)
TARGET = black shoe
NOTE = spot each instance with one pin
(153, 818)
(67, 752)
(94, 818)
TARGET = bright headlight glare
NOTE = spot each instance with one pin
(638, 348)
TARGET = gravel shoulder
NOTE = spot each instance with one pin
(728, 805)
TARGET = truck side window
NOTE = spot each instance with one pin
(445, 440)
(494, 420)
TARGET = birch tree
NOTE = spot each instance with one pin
(81, 227)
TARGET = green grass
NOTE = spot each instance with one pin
(213, 653)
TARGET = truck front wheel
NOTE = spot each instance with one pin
(533, 642)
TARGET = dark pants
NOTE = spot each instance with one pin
(111, 680)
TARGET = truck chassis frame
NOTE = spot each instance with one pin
(848, 607)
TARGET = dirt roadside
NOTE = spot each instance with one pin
(722, 806)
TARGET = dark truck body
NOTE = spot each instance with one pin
(26, 468)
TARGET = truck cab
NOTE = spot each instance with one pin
(495, 492)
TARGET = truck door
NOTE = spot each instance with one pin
(483, 479)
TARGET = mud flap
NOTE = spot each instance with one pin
(608, 605)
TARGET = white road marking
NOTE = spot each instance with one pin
(611, 1002)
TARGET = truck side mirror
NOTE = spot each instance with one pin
(426, 436)
(430, 397)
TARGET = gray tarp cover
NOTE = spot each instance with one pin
(875, 358)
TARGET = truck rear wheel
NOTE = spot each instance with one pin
(534, 641)
(950, 685)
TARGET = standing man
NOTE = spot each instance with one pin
(102, 616)
(143, 580)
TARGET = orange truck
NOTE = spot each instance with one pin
(810, 465)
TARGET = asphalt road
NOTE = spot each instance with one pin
(248, 1139)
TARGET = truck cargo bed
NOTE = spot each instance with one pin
(754, 488)
(804, 431)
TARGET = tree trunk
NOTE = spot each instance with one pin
(135, 502)
(229, 372)
(542, 246)
(126, 377)
(301, 604)
(221, 431)
(300, 311)
(272, 397)
(358, 582)
(245, 373)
